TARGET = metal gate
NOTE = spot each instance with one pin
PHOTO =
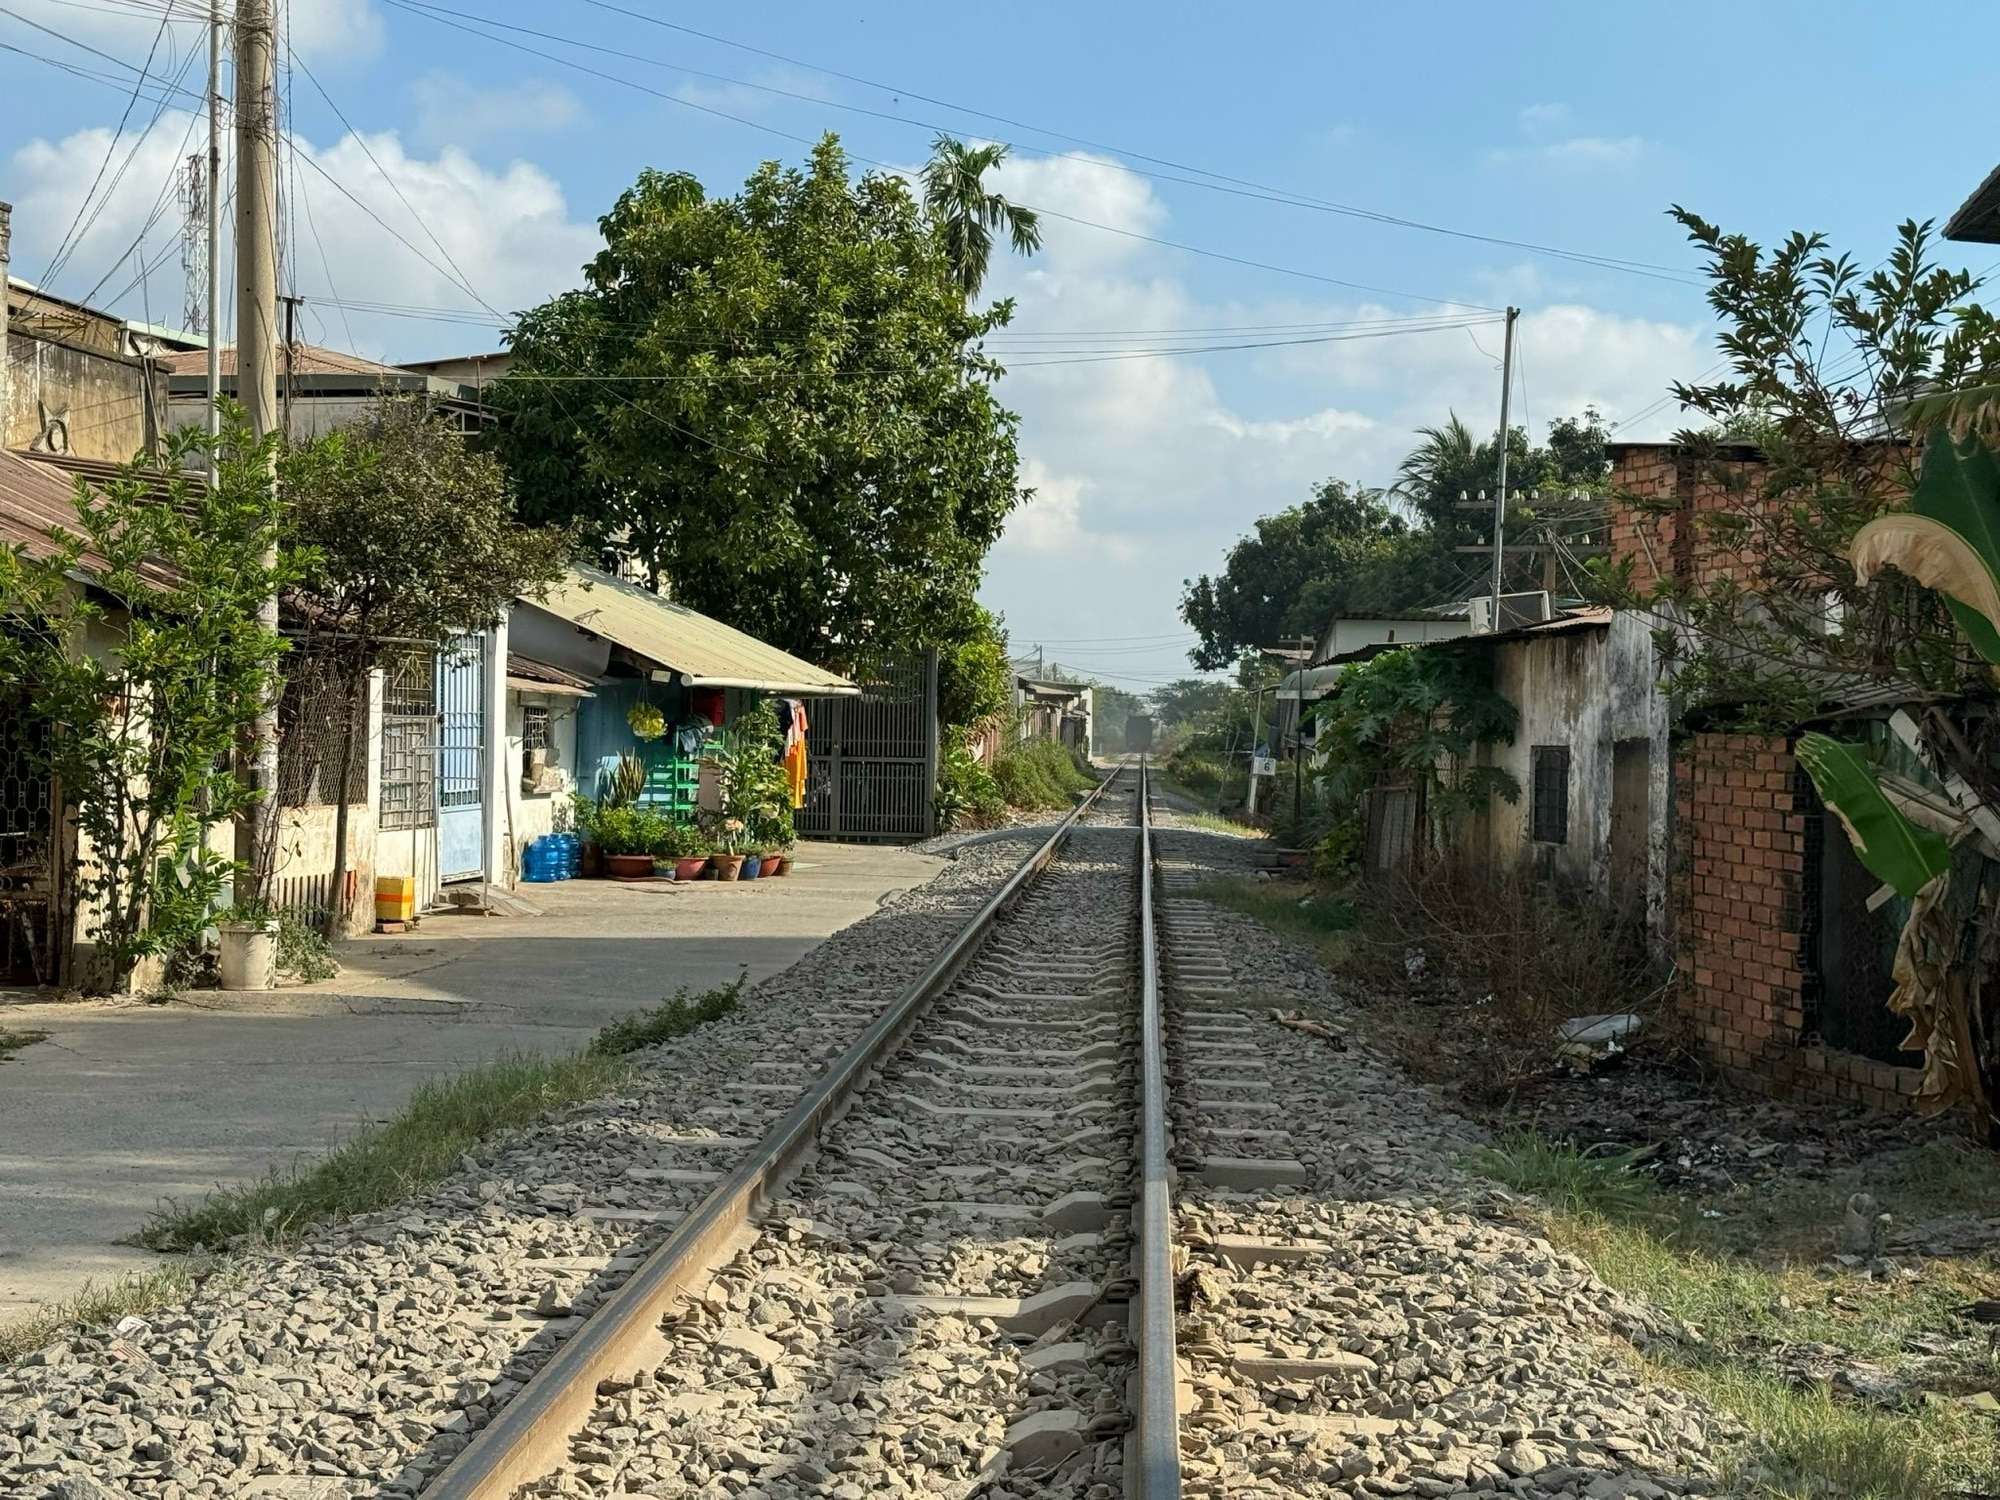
(871, 761)
(27, 850)
(461, 760)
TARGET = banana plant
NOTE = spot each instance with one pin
(1948, 540)
(1895, 850)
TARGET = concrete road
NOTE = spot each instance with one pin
(126, 1104)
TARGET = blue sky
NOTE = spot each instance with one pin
(1566, 126)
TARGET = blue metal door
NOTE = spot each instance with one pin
(461, 778)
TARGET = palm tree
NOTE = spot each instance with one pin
(1449, 459)
(956, 197)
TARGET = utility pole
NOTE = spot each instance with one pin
(1500, 497)
(291, 357)
(257, 365)
(213, 207)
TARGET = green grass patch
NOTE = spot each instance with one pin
(1807, 1441)
(1595, 1179)
(100, 1307)
(443, 1120)
(13, 1041)
(1040, 775)
(1210, 822)
(1283, 905)
(677, 1016)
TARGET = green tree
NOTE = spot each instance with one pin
(406, 539)
(1344, 549)
(145, 681)
(966, 214)
(779, 402)
(1383, 552)
(1844, 379)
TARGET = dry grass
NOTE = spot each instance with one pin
(13, 1041)
(99, 1308)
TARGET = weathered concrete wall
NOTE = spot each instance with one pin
(67, 399)
(1589, 690)
(532, 814)
(311, 417)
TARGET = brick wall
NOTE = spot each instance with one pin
(1740, 888)
(1665, 506)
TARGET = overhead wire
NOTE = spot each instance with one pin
(78, 226)
(1217, 181)
(473, 27)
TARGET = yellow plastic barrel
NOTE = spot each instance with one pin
(395, 898)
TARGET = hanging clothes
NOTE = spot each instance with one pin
(792, 750)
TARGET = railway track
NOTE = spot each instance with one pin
(948, 1266)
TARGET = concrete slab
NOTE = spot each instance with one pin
(126, 1104)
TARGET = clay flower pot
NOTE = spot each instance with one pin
(728, 866)
(784, 865)
(629, 866)
(690, 867)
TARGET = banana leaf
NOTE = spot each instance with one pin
(1896, 851)
(1949, 538)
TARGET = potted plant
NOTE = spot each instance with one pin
(677, 852)
(590, 853)
(627, 834)
(248, 956)
(645, 721)
(727, 861)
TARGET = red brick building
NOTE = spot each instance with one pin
(1784, 971)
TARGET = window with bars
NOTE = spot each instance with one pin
(1548, 799)
(534, 726)
(409, 744)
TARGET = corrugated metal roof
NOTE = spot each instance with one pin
(36, 500)
(532, 676)
(307, 359)
(706, 652)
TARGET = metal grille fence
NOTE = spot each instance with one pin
(409, 745)
(316, 710)
(871, 761)
(27, 851)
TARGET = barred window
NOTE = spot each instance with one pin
(1548, 807)
(534, 726)
(409, 745)
(315, 714)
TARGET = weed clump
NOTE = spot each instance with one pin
(682, 1013)
(1039, 774)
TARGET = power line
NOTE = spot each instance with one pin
(1219, 181)
(472, 26)
(359, 140)
(75, 233)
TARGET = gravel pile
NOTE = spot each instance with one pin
(1457, 1354)
(359, 1360)
(854, 1349)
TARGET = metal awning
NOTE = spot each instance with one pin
(526, 675)
(704, 652)
(1309, 683)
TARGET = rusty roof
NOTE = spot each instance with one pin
(37, 501)
(307, 359)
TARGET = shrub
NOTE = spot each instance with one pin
(967, 794)
(1040, 774)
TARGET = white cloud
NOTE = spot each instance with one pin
(1538, 119)
(321, 30)
(1147, 473)
(1575, 153)
(762, 93)
(508, 233)
(453, 111)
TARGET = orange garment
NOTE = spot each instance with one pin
(795, 771)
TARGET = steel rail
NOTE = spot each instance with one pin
(531, 1432)
(1158, 1418)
